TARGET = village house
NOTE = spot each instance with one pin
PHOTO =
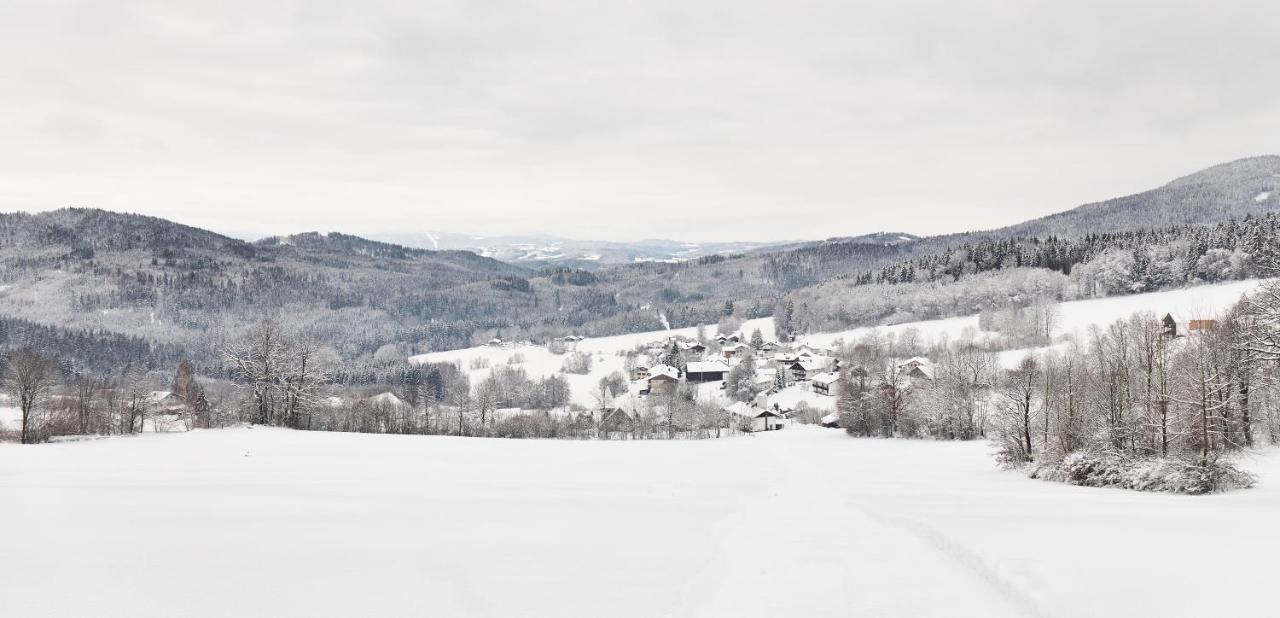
(616, 423)
(761, 419)
(663, 380)
(735, 350)
(826, 383)
(639, 372)
(166, 411)
(705, 371)
(165, 402)
(692, 347)
(813, 350)
(803, 370)
(1170, 329)
(917, 367)
(766, 381)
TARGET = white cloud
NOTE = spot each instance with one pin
(818, 118)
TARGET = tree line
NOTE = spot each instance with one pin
(1144, 402)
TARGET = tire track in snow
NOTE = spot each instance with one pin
(1014, 595)
(969, 560)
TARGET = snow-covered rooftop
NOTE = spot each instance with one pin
(706, 366)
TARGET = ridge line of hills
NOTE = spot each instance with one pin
(173, 284)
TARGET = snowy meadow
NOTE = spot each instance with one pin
(806, 522)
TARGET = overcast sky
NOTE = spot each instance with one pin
(735, 120)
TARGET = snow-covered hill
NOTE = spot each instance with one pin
(1074, 317)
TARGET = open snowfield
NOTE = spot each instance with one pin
(1076, 317)
(800, 522)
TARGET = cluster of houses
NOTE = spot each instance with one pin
(810, 365)
(812, 368)
(1171, 329)
(499, 343)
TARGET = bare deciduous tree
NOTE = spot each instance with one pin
(28, 380)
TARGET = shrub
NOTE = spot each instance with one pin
(578, 363)
(1168, 474)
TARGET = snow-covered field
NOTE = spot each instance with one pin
(1076, 317)
(800, 522)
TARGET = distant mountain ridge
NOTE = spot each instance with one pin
(179, 285)
(1227, 191)
(537, 250)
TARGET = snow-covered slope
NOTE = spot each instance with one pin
(538, 361)
(1074, 317)
(801, 522)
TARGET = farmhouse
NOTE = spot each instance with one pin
(165, 402)
(762, 419)
(640, 372)
(615, 422)
(826, 383)
(662, 380)
(168, 411)
(917, 367)
(705, 371)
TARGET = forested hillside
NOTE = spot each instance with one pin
(1222, 192)
(98, 271)
(92, 271)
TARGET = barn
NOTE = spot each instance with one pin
(705, 371)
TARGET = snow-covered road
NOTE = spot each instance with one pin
(801, 522)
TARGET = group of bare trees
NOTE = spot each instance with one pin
(56, 398)
(948, 401)
(1139, 404)
(1136, 390)
(280, 374)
